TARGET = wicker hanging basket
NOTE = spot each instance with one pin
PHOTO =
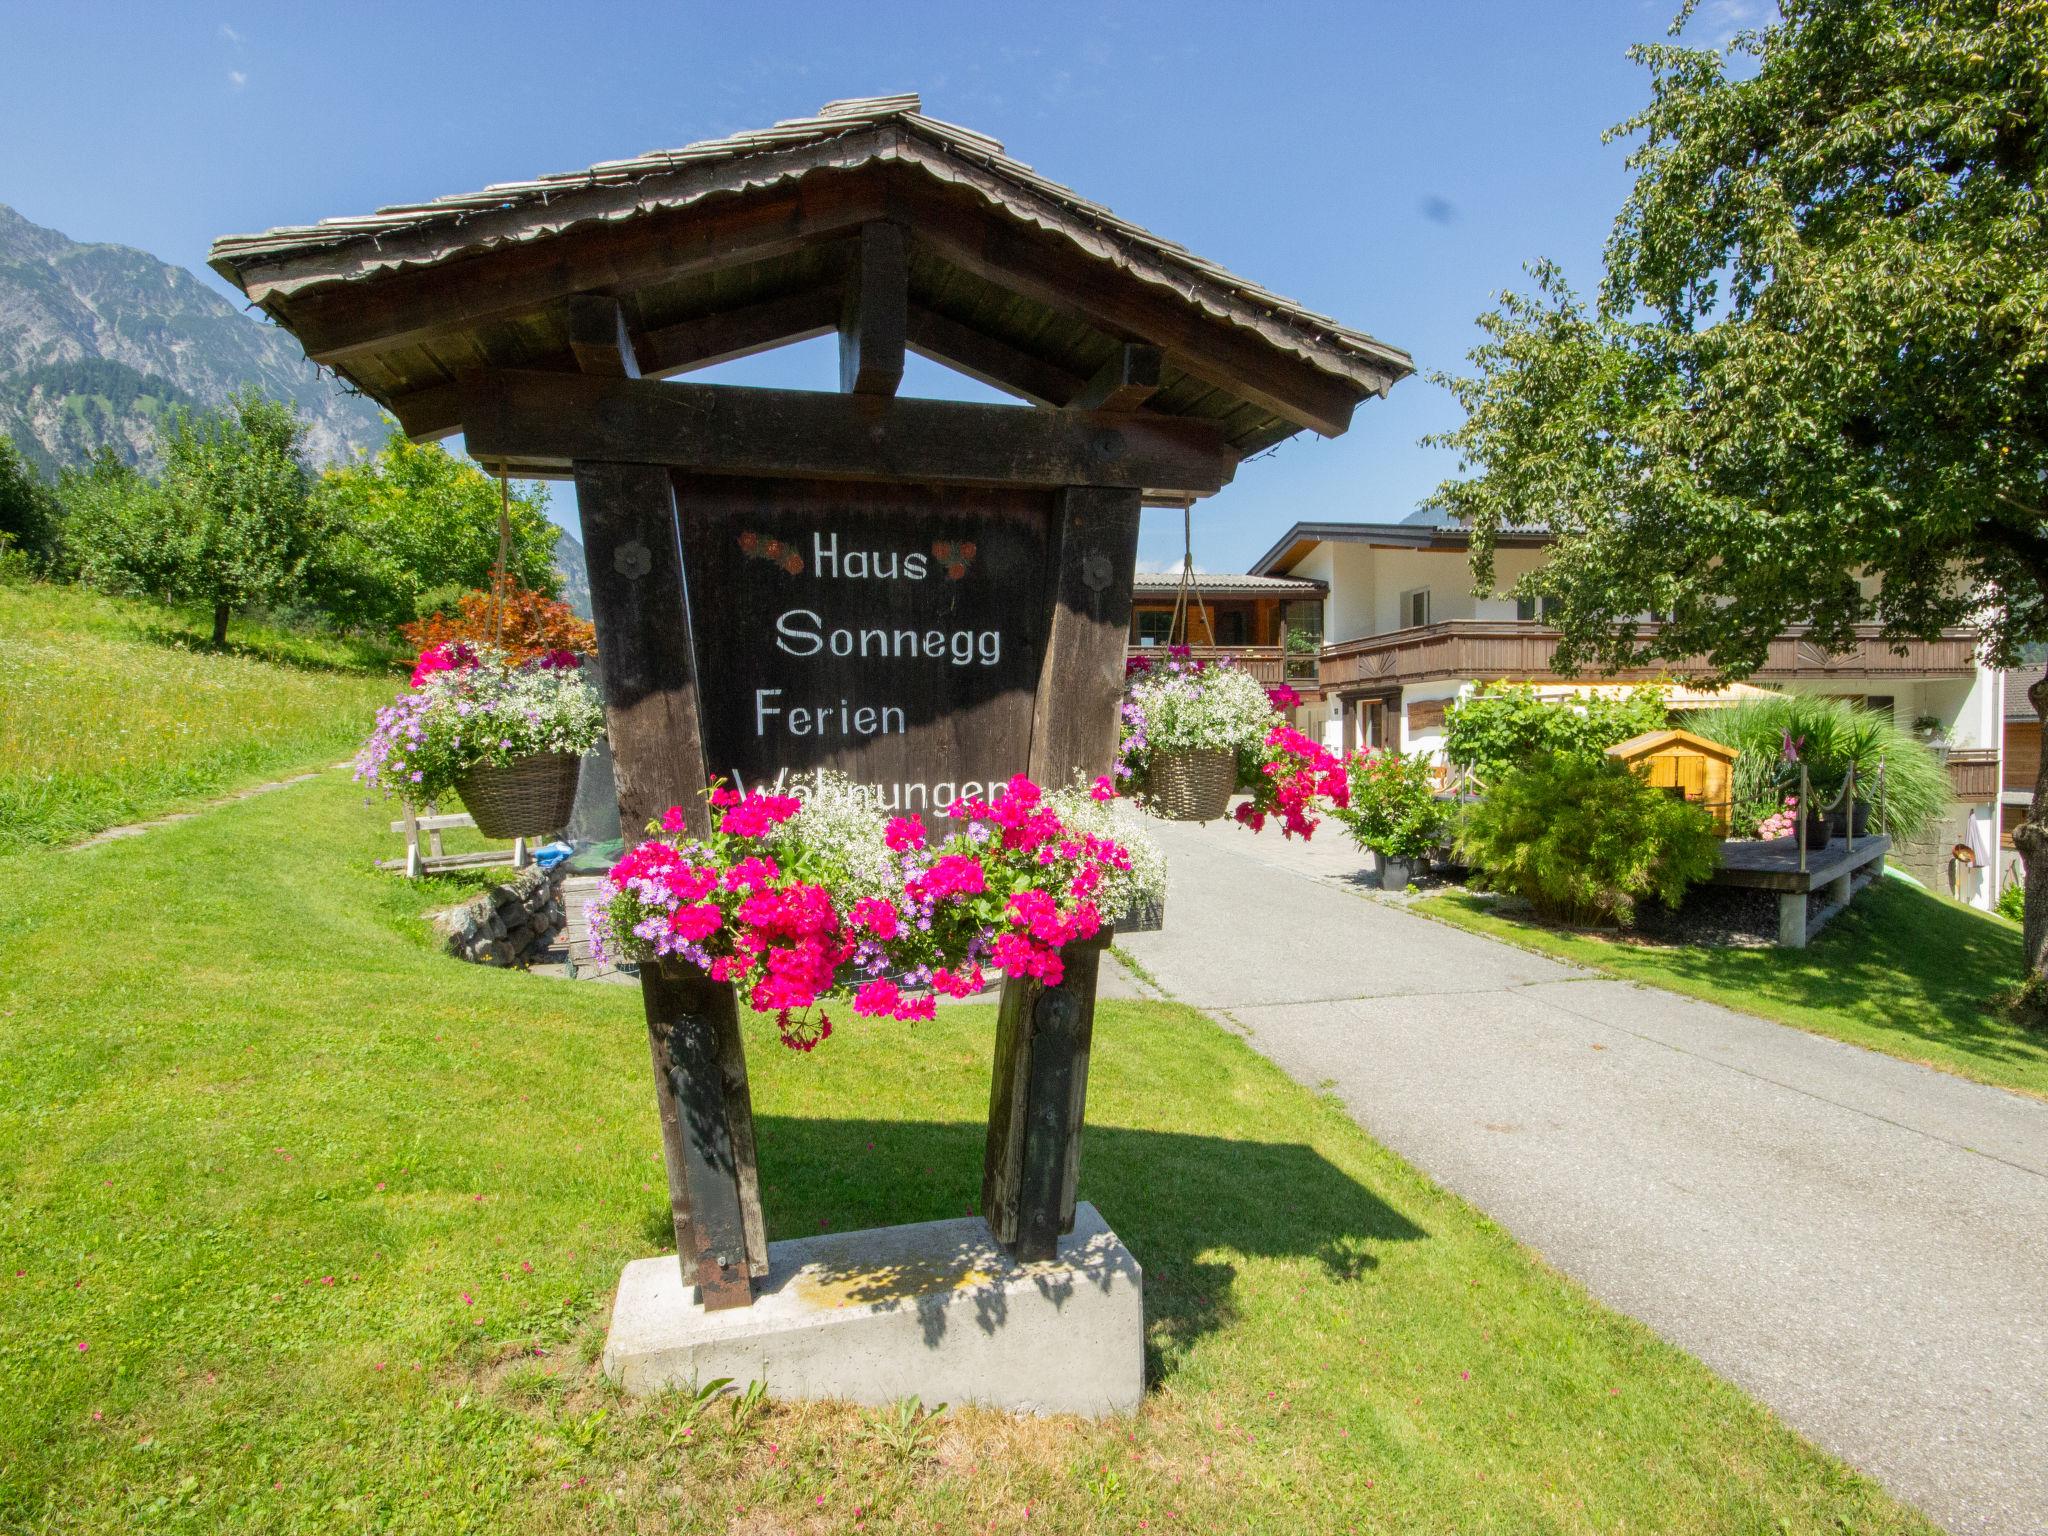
(526, 797)
(1193, 784)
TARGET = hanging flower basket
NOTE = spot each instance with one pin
(526, 797)
(509, 739)
(1192, 783)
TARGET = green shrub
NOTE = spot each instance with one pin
(1834, 733)
(1503, 725)
(2012, 902)
(1394, 810)
(1584, 840)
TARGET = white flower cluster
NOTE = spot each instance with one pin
(842, 824)
(1220, 709)
(1144, 883)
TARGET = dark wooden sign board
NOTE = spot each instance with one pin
(892, 633)
(993, 622)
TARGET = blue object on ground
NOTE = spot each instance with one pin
(552, 854)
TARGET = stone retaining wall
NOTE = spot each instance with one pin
(506, 923)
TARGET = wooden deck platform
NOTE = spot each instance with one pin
(1774, 866)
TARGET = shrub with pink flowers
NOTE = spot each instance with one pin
(1181, 703)
(783, 900)
(470, 706)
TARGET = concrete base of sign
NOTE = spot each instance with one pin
(934, 1310)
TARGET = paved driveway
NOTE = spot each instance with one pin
(1859, 1242)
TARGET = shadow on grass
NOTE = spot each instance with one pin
(1900, 965)
(334, 654)
(1181, 1203)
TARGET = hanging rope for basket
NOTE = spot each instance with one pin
(1181, 624)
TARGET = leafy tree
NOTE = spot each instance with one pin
(413, 527)
(1813, 388)
(31, 519)
(227, 525)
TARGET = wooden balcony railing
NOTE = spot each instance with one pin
(1270, 664)
(1973, 774)
(1519, 650)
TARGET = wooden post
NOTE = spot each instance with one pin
(651, 717)
(1081, 680)
(1039, 1087)
(707, 1133)
(412, 841)
(1037, 1100)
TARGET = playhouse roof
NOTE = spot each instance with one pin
(1657, 741)
(734, 244)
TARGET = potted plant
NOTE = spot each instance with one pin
(1394, 813)
(508, 738)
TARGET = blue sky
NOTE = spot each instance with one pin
(1392, 165)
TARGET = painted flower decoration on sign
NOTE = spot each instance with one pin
(954, 556)
(774, 551)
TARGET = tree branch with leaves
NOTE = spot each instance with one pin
(1812, 389)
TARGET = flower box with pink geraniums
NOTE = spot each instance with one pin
(1183, 711)
(799, 901)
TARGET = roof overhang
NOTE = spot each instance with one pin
(738, 244)
(1294, 545)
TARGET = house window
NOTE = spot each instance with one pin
(1415, 608)
(1544, 608)
(1229, 626)
(1154, 627)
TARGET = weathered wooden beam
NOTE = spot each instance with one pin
(599, 338)
(1125, 382)
(693, 1034)
(638, 600)
(634, 552)
(992, 361)
(1081, 677)
(539, 423)
(871, 326)
(727, 334)
(431, 413)
(1038, 1092)
(1213, 350)
(338, 320)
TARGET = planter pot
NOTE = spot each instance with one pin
(1193, 785)
(1142, 917)
(1817, 829)
(1846, 825)
(1395, 874)
(526, 797)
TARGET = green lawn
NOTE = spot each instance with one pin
(1902, 971)
(306, 1227)
(117, 710)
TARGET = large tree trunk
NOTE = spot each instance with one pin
(2031, 838)
(220, 623)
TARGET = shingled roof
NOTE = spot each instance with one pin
(810, 180)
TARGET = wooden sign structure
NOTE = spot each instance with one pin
(927, 595)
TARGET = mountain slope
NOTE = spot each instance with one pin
(97, 340)
(575, 574)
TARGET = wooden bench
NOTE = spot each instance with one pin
(437, 858)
